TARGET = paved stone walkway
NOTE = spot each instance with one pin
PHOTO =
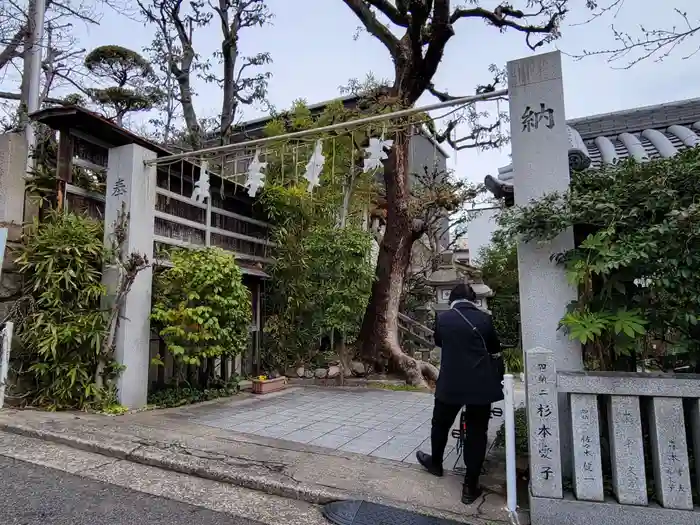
(385, 424)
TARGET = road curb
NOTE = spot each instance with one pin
(182, 463)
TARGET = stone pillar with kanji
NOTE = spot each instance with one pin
(129, 212)
(540, 149)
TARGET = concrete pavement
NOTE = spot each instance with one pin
(379, 423)
(34, 495)
(44, 483)
(176, 440)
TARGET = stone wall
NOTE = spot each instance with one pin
(10, 281)
(13, 165)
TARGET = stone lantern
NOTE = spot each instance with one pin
(449, 274)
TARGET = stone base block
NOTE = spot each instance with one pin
(545, 511)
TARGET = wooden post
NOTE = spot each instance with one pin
(64, 169)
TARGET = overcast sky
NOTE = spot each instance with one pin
(314, 52)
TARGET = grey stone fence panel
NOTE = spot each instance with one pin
(670, 400)
(629, 384)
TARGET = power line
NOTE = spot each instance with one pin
(333, 127)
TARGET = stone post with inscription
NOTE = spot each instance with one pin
(543, 424)
(131, 190)
(627, 450)
(540, 146)
(669, 453)
(588, 468)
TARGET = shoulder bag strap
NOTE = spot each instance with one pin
(474, 329)
(490, 359)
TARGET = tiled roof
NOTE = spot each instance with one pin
(643, 133)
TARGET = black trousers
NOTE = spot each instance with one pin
(475, 439)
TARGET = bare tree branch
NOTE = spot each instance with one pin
(504, 17)
(646, 44)
(168, 19)
(11, 49)
(481, 136)
(373, 26)
(5, 95)
(234, 16)
(393, 13)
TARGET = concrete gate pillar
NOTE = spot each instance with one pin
(131, 189)
(540, 147)
(13, 166)
(13, 169)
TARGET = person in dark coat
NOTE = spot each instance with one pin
(469, 377)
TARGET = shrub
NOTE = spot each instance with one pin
(59, 320)
(635, 260)
(175, 396)
(201, 307)
(323, 280)
(521, 437)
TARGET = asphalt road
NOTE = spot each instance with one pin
(34, 495)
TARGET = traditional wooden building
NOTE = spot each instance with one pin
(646, 133)
(230, 219)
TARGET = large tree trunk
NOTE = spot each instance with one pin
(379, 334)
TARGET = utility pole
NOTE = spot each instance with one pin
(32, 69)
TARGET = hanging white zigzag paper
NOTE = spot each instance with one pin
(255, 178)
(376, 153)
(315, 166)
(201, 187)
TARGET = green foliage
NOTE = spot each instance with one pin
(637, 263)
(118, 63)
(499, 270)
(201, 307)
(321, 284)
(321, 277)
(175, 396)
(114, 409)
(513, 360)
(521, 435)
(586, 326)
(343, 275)
(133, 76)
(60, 324)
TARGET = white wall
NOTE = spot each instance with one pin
(425, 153)
(480, 230)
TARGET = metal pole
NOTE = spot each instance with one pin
(333, 127)
(37, 8)
(511, 477)
(5, 343)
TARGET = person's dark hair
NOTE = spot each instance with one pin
(462, 291)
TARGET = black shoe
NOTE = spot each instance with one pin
(469, 496)
(426, 461)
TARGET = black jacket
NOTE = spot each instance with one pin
(468, 373)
